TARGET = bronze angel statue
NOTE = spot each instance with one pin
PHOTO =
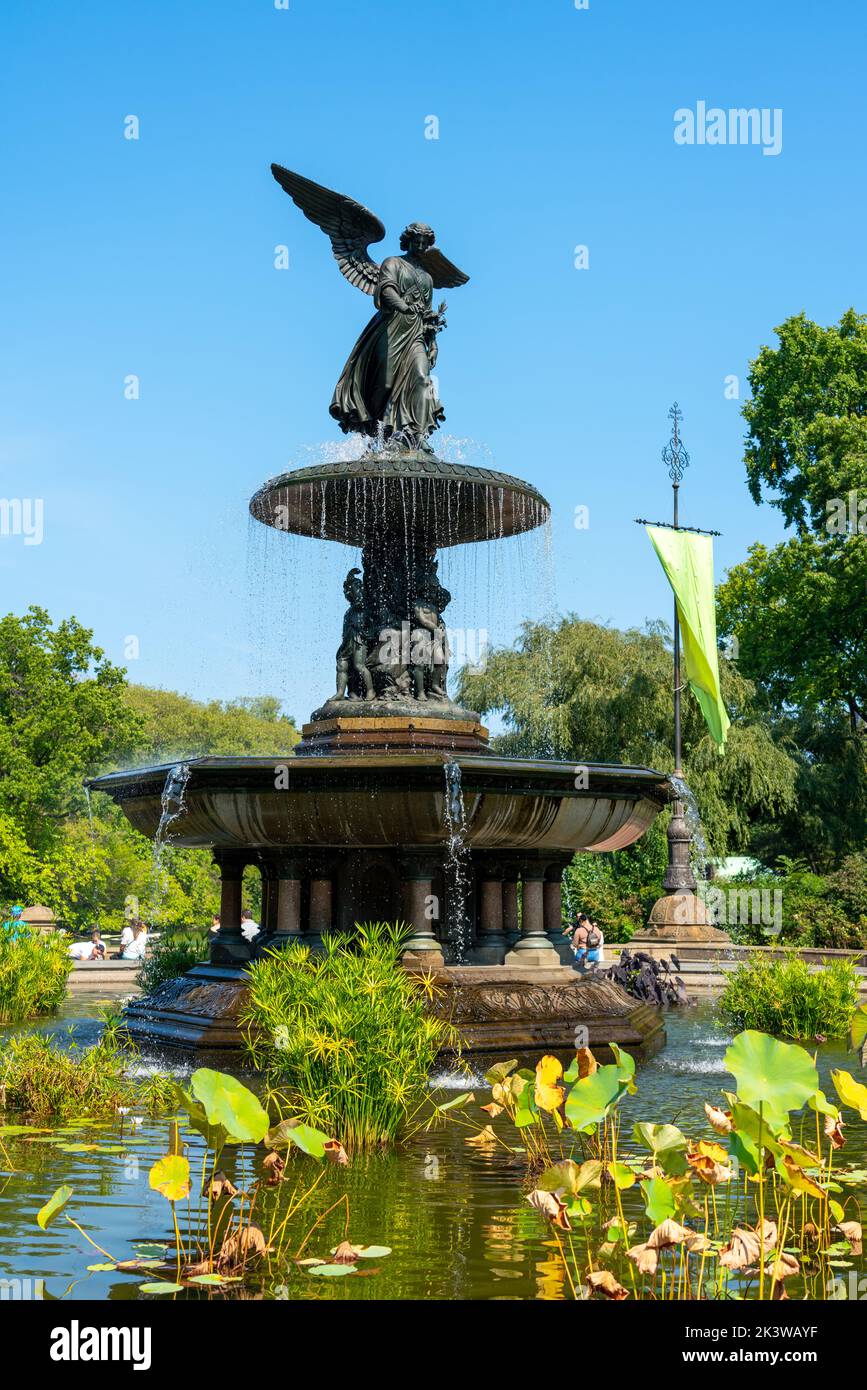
(385, 389)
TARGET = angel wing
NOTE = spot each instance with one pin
(350, 227)
(444, 275)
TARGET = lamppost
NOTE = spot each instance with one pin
(680, 915)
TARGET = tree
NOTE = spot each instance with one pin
(799, 617)
(807, 440)
(174, 726)
(587, 693)
(62, 716)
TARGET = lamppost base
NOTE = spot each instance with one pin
(680, 917)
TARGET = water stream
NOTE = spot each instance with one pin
(457, 865)
(172, 802)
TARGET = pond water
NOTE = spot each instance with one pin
(454, 1216)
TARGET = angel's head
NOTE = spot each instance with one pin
(418, 236)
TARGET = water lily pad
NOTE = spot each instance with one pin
(776, 1076)
(53, 1206)
(332, 1271)
(171, 1177)
(160, 1288)
(208, 1279)
(101, 1269)
(589, 1100)
(12, 1131)
(78, 1148)
(227, 1102)
(146, 1249)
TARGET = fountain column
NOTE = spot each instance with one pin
(553, 910)
(511, 921)
(422, 948)
(491, 944)
(230, 947)
(321, 906)
(533, 950)
(282, 892)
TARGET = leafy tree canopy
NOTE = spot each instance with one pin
(807, 440)
(174, 726)
(799, 615)
(63, 715)
(587, 693)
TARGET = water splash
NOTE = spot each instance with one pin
(699, 854)
(94, 884)
(173, 804)
(457, 865)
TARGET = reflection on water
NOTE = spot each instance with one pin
(454, 1216)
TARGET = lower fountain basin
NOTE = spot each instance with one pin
(391, 799)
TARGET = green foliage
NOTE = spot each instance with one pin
(44, 1078)
(344, 1038)
(786, 997)
(62, 717)
(66, 714)
(33, 974)
(176, 727)
(807, 416)
(618, 890)
(172, 955)
(799, 614)
(586, 693)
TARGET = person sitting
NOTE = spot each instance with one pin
(215, 924)
(127, 937)
(138, 946)
(249, 928)
(94, 949)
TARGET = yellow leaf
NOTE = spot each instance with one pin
(171, 1177)
(851, 1092)
(549, 1096)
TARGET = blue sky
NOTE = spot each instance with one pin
(155, 257)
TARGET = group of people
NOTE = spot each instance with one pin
(133, 944)
(587, 940)
(249, 927)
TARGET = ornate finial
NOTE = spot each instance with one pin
(674, 456)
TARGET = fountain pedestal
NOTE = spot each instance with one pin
(495, 1009)
(680, 915)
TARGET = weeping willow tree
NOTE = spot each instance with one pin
(586, 693)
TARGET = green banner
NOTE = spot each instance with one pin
(687, 559)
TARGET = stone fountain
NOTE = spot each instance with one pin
(393, 805)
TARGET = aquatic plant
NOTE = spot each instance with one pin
(345, 1039)
(759, 1209)
(219, 1243)
(34, 969)
(173, 954)
(787, 998)
(49, 1077)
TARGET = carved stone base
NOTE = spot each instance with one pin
(495, 1009)
(350, 726)
(532, 958)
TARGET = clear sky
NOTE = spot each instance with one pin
(155, 258)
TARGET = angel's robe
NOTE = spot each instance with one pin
(387, 379)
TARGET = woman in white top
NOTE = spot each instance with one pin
(137, 947)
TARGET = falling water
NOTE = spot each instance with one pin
(457, 865)
(173, 804)
(699, 853)
(94, 884)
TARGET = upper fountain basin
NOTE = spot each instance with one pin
(412, 496)
(395, 799)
